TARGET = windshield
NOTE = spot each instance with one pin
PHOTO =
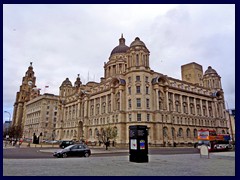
(203, 142)
(68, 147)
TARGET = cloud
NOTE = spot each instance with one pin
(65, 40)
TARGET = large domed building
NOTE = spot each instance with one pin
(130, 93)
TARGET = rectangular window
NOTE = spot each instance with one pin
(138, 102)
(138, 89)
(129, 103)
(47, 112)
(48, 107)
(148, 117)
(55, 113)
(137, 78)
(147, 90)
(147, 103)
(138, 117)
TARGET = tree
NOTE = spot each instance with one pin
(15, 131)
(107, 134)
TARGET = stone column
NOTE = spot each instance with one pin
(174, 107)
(120, 99)
(112, 100)
(181, 104)
(201, 107)
(207, 109)
(157, 99)
(100, 105)
(94, 107)
(188, 104)
(195, 106)
(215, 108)
(167, 100)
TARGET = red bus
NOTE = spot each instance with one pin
(213, 140)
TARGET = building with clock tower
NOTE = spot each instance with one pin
(27, 91)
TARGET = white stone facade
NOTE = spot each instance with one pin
(130, 93)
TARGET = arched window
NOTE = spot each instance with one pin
(180, 132)
(195, 133)
(173, 132)
(165, 132)
(90, 132)
(185, 107)
(198, 110)
(188, 133)
(104, 108)
(96, 132)
(191, 108)
(115, 131)
(177, 106)
(92, 110)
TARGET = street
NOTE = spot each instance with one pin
(36, 153)
(115, 162)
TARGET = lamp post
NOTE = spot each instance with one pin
(9, 121)
(9, 115)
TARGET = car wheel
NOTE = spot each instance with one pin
(64, 155)
(86, 154)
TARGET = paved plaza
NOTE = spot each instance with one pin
(219, 164)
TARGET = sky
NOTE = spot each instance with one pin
(65, 40)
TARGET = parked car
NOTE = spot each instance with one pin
(64, 144)
(73, 150)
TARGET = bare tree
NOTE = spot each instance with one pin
(107, 134)
(15, 132)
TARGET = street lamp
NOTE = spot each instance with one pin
(9, 115)
(9, 121)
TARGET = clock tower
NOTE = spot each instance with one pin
(23, 96)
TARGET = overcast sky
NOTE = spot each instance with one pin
(65, 40)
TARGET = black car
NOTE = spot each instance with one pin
(64, 144)
(73, 150)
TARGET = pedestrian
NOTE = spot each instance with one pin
(107, 144)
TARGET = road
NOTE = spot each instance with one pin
(37, 153)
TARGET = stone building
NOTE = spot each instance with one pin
(130, 93)
(41, 116)
(27, 91)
